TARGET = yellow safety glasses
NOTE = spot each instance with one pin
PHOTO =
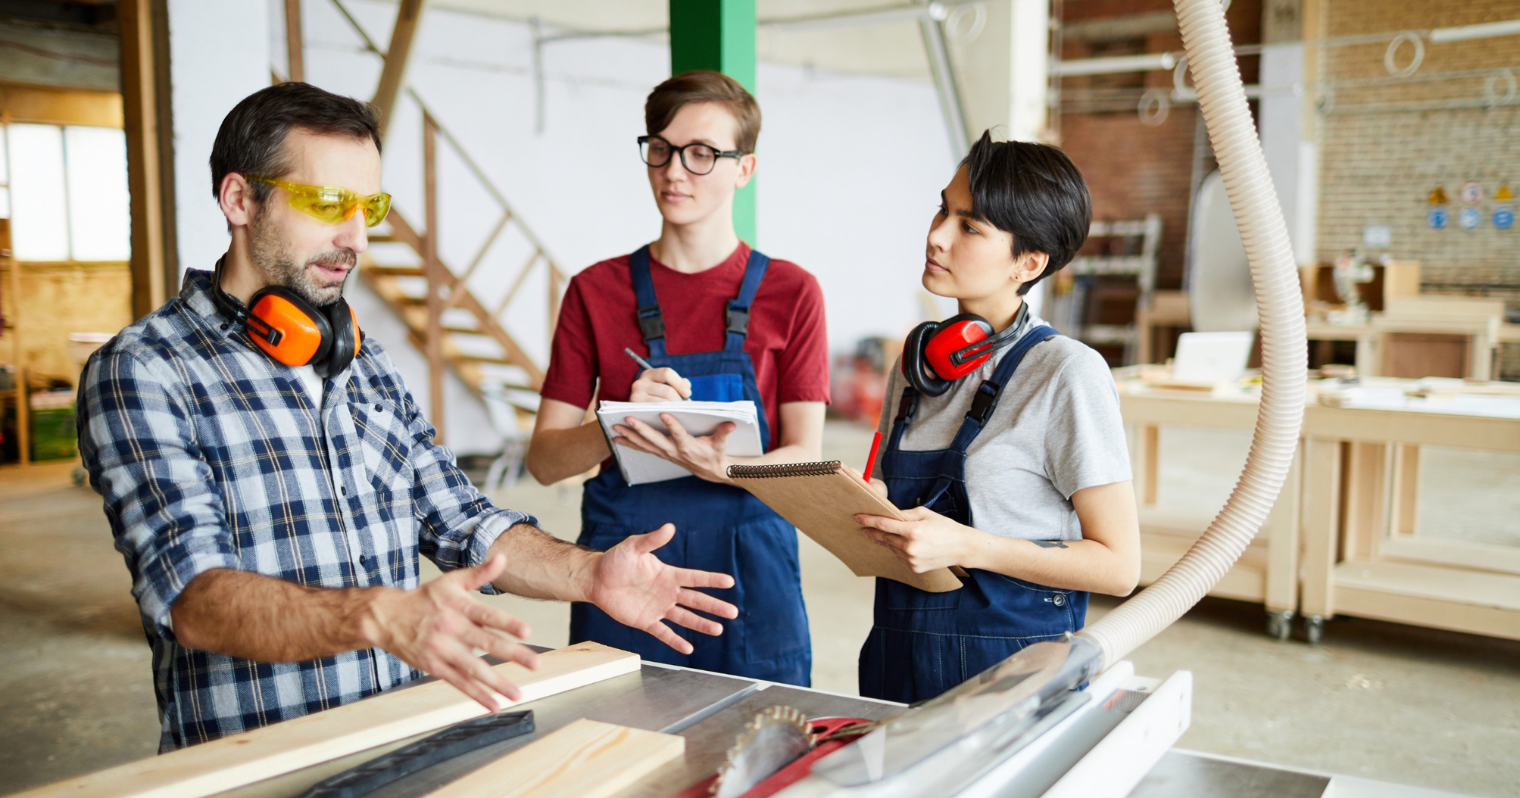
(332, 204)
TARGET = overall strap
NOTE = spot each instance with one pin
(737, 317)
(991, 390)
(651, 323)
(907, 406)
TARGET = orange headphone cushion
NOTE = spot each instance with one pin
(299, 339)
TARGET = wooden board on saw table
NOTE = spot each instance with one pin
(587, 759)
(253, 756)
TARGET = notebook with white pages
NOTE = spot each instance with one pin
(698, 418)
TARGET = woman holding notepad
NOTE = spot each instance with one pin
(1006, 453)
(716, 321)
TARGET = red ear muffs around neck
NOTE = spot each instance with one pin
(937, 353)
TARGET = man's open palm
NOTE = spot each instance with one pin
(638, 590)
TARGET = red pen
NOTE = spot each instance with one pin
(871, 462)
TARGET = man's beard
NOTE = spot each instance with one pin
(271, 255)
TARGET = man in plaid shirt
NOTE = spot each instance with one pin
(272, 515)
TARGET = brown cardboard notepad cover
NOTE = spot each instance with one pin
(822, 500)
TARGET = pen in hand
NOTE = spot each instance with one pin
(644, 364)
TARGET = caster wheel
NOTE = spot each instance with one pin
(1314, 629)
(1280, 625)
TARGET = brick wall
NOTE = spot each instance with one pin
(1131, 168)
(1386, 143)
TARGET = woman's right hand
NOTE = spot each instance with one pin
(880, 488)
(660, 385)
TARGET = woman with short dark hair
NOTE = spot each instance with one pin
(1006, 442)
(718, 321)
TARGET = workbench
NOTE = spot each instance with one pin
(1343, 538)
(709, 710)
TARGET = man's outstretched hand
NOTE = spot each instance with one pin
(434, 628)
(638, 590)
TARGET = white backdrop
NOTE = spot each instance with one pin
(850, 166)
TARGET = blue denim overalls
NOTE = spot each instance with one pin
(718, 527)
(923, 644)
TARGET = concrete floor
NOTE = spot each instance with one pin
(1376, 700)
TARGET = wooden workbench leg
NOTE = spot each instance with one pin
(1322, 505)
(1146, 464)
(1282, 534)
(1365, 500)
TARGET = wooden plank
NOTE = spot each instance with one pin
(1430, 550)
(1399, 426)
(256, 755)
(408, 14)
(587, 759)
(1434, 596)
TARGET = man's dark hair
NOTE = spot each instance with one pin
(1034, 192)
(251, 140)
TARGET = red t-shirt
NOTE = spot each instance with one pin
(787, 341)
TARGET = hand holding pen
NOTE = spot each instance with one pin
(657, 384)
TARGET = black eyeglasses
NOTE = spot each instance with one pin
(699, 159)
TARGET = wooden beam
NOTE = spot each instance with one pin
(295, 52)
(588, 759)
(145, 124)
(433, 268)
(242, 759)
(49, 106)
(396, 56)
(12, 320)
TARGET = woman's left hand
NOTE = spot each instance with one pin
(924, 542)
(705, 456)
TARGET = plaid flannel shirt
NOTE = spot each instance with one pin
(210, 454)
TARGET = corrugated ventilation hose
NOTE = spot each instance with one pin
(1284, 352)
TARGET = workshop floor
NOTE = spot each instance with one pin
(1376, 700)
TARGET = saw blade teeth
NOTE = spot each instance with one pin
(789, 716)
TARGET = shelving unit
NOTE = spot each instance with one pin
(1099, 299)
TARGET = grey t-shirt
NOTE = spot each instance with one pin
(1056, 430)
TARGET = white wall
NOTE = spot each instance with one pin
(851, 167)
(218, 54)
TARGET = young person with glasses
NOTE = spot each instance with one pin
(718, 321)
(1009, 460)
(271, 482)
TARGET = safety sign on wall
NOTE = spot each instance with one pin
(1504, 213)
(1469, 218)
(1436, 216)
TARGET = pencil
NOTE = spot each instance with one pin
(644, 364)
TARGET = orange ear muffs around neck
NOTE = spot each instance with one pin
(287, 327)
(345, 339)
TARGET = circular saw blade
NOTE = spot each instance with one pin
(770, 742)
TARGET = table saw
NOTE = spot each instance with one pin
(1112, 738)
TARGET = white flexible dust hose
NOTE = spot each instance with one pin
(1284, 351)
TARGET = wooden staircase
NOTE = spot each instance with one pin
(457, 319)
(475, 344)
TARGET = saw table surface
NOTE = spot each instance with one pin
(710, 710)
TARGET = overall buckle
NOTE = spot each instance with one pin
(738, 320)
(984, 402)
(652, 324)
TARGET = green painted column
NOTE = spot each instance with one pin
(718, 35)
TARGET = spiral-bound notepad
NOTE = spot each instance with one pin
(822, 500)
